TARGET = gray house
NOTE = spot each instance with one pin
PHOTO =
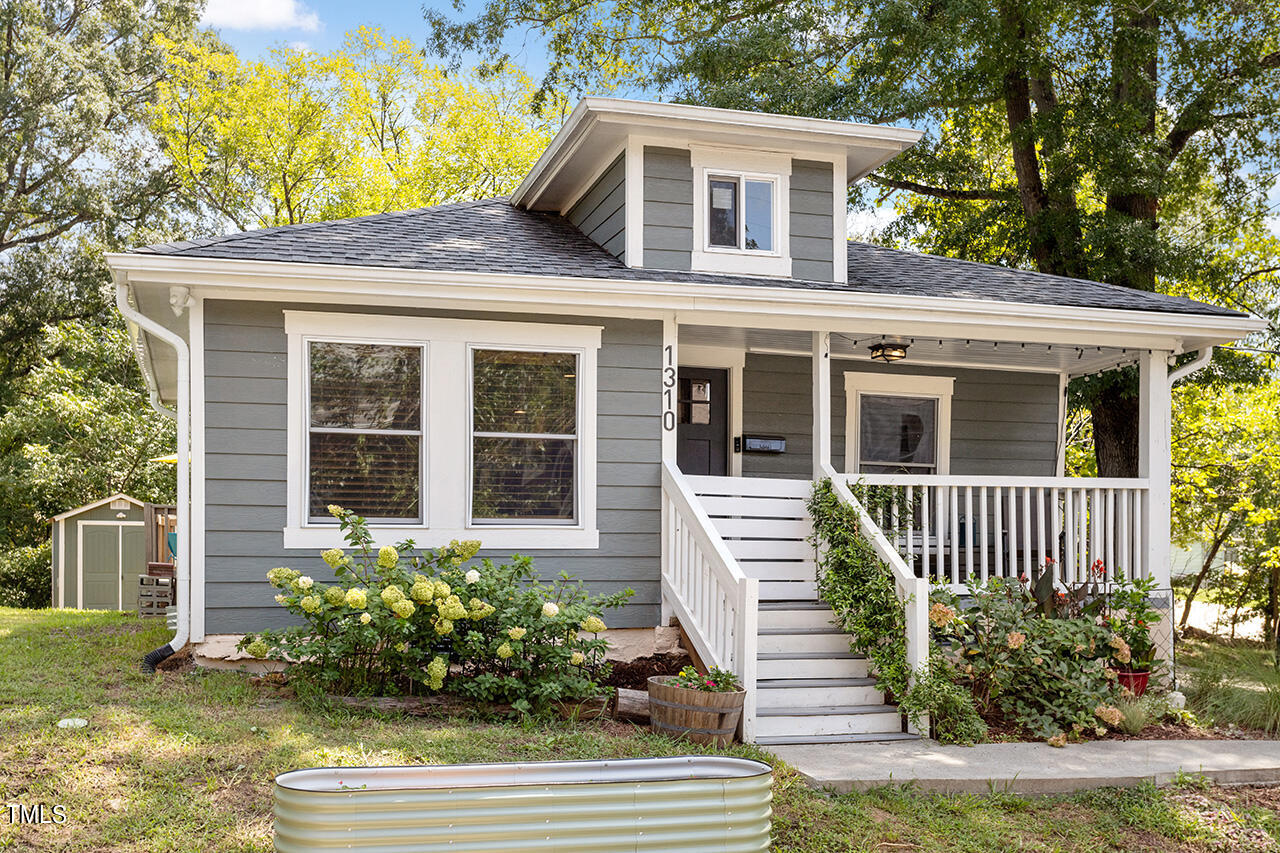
(632, 369)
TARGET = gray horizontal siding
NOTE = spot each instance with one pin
(812, 220)
(668, 209)
(601, 213)
(245, 487)
(1002, 422)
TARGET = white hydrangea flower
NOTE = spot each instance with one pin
(551, 610)
(472, 576)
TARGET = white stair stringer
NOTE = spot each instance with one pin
(810, 688)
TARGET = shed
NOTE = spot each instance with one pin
(97, 547)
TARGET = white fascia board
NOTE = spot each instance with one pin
(736, 305)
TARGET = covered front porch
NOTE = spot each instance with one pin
(949, 447)
(956, 445)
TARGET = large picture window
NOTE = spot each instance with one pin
(364, 430)
(524, 436)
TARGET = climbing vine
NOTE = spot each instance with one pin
(860, 589)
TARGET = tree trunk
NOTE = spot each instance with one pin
(1115, 432)
(1203, 573)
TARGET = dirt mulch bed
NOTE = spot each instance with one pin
(634, 674)
(179, 662)
(1000, 730)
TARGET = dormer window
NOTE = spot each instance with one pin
(740, 212)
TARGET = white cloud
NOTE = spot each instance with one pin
(260, 15)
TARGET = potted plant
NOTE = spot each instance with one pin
(703, 707)
(1131, 616)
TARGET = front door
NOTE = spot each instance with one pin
(702, 433)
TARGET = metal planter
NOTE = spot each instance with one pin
(691, 803)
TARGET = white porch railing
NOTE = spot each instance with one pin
(912, 591)
(716, 603)
(955, 528)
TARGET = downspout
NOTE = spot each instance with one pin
(182, 599)
(1192, 366)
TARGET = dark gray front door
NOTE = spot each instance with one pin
(702, 433)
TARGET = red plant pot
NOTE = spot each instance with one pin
(1134, 682)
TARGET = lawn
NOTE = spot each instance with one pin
(184, 762)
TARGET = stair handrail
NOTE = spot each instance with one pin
(742, 592)
(912, 591)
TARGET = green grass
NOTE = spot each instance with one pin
(1231, 683)
(184, 762)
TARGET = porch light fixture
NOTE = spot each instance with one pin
(888, 352)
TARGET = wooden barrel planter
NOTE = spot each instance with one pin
(699, 715)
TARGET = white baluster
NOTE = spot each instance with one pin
(998, 504)
(968, 534)
(924, 532)
(953, 535)
(983, 509)
(1027, 558)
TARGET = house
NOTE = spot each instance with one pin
(632, 369)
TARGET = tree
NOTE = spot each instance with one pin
(1065, 136)
(80, 428)
(75, 81)
(1226, 481)
(366, 129)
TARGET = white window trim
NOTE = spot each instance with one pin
(447, 466)
(745, 165)
(856, 384)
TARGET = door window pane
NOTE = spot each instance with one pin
(365, 421)
(722, 224)
(524, 436)
(897, 434)
(759, 215)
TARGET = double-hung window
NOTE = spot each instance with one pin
(524, 438)
(436, 428)
(365, 430)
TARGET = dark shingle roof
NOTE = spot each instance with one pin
(492, 236)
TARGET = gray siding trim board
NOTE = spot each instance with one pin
(1002, 422)
(668, 209)
(245, 465)
(601, 212)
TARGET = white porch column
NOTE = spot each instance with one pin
(1154, 416)
(821, 403)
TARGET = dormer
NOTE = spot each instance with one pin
(676, 187)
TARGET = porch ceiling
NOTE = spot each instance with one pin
(949, 352)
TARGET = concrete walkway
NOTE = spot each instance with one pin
(1031, 768)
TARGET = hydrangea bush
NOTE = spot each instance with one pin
(400, 620)
(1051, 675)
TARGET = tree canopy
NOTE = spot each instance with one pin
(368, 128)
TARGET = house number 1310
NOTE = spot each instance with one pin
(668, 389)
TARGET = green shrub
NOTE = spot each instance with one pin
(1138, 714)
(1048, 674)
(25, 576)
(953, 715)
(860, 589)
(404, 622)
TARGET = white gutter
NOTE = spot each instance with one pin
(182, 597)
(1191, 367)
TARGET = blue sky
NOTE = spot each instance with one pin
(253, 27)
